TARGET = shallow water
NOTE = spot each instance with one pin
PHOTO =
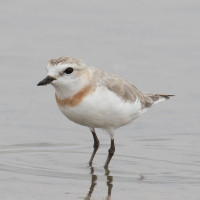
(155, 45)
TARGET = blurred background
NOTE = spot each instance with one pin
(154, 44)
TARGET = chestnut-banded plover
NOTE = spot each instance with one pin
(91, 97)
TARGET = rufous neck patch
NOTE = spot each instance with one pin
(76, 99)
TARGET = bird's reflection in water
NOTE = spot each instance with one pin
(94, 183)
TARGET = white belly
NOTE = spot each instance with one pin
(102, 109)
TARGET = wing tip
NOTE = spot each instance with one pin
(166, 96)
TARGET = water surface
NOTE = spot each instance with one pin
(155, 45)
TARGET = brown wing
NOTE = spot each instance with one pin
(126, 90)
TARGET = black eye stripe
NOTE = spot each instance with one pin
(69, 70)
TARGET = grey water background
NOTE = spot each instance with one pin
(155, 45)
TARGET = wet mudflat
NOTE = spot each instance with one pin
(154, 45)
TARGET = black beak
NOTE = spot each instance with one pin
(46, 81)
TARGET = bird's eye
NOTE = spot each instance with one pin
(69, 70)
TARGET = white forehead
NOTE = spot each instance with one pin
(56, 66)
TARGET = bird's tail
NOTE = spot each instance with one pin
(157, 98)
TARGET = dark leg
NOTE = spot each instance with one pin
(96, 146)
(111, 152)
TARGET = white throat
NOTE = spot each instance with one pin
(64, 91)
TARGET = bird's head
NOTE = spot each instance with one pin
(68, 75)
